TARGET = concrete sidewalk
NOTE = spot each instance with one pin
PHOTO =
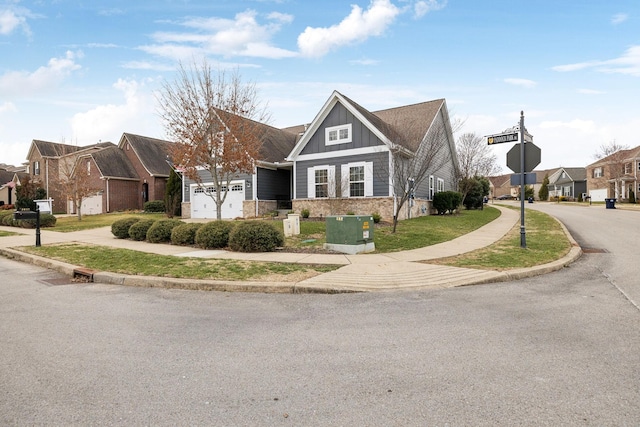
(360, 273)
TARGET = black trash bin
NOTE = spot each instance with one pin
(610, 203)
(530, 199)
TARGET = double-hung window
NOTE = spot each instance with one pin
(440, 185)
(357, 179)
(321, 182)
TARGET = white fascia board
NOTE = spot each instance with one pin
(324, 112)
(344, 153)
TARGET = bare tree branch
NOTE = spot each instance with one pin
(215, 120)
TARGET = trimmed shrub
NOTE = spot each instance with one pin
(376, 217)
(446, 201)
(46, 220)
(160, 231)
(305, 213)
(138, 231)
(214, 234)
(185, 234)
(154, 206)
(120, 228)
(255, 236)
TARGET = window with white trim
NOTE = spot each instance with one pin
(36, 168)
(597, 172)
(357, 179)
(321, 182)
(338, 134)
(627, 168)
(440, 185)
(431, 189)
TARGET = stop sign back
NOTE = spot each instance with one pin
(531, 157)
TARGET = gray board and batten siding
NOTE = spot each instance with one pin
(361, 137)
(380, 166)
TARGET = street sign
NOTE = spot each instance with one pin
(529, 179)
(531, 157)
(502, 137)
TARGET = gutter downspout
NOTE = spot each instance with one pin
(108, 198)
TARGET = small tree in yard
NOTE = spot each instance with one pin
(75, 180)
(173, 195)
(543, 193)
(432, 154)
(27, 192)
(215, 120)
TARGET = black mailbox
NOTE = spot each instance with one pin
(25, 215)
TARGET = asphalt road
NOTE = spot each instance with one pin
(561, 349)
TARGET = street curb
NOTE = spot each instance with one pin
(109, 278)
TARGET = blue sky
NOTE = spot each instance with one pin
(85, 71)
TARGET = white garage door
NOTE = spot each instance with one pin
(204, 206)
(598, 195)
(90, 205)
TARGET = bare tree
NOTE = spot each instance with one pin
(410, 168)
(475, 158)
(215, 120)
(606, 150)
(75, 180)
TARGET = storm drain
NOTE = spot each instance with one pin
(594, 251)
(57, 282)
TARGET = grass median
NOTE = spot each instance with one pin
(546, 241)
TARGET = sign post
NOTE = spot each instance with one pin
(521, 159)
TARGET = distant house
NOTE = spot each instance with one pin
(7, 187)
(50, 163)
(351, 159)
(570, 183)
(500, 186)
(615, 176)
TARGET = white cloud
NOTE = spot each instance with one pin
(364, 62)
(108, 122)
(628, 63)
(619, 18)
(357, 27)
(43, 79)
(12, 19)
(586, 126)
(521, 82)
(241, 36)
(423, 7)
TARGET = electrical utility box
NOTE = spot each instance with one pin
(350, 234)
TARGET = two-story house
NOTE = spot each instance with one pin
(615, 176)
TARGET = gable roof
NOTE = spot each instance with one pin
(152, 152)
(618, 156)
(112, 162)
(276, 143)
(404, 126)
(51, 149)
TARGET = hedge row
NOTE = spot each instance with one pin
(250, 236)
(46, 220)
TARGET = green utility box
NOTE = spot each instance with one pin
(350, 234)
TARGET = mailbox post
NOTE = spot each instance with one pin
(22, 215)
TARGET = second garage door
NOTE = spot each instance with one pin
(203, 205)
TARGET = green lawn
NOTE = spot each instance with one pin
(67, 224)
(545, 241)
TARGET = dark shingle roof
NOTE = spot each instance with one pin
(6, 176)
(152, 153)
(54, 149)
(406, 125)
(113, 163)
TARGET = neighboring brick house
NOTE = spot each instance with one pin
(499, 186)
(124, 176)
(50, 162)
(149, 158)
(615, 176)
